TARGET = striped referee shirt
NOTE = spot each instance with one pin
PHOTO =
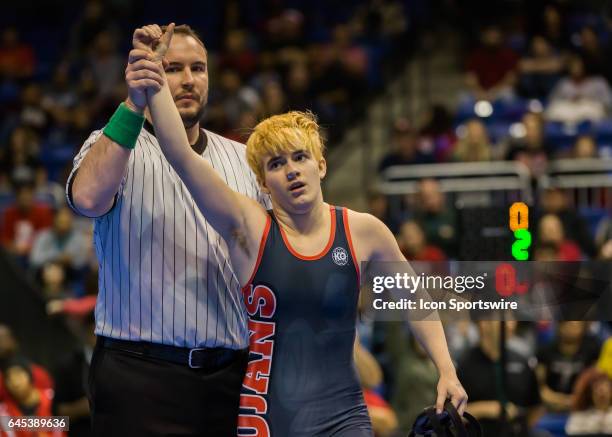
(164, 272)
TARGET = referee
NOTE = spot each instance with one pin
(172, 331)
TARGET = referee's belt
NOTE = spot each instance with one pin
(209, 359)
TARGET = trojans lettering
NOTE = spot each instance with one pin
(260, 302)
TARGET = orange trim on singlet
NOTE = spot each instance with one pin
(347, 231)
(332, 236)
(262, 245)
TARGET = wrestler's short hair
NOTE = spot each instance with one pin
(291, 131)
(186, 30)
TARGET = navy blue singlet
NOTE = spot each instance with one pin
(301, 379)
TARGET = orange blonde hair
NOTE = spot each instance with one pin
(281, 133)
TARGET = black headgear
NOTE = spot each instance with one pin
(446, 424)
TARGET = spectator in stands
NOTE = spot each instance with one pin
(78, 307)
(532, 149)
(435, 217)
(22, 220)
(234, 97)
(591, 406)
(9, 350)
(555, 201)
(405, 145)
(59, 96)
(71, 377)
(591, 52)
(94, 19)
(237, 54)
(61, 244)
(553, 27)
(106, 63)
(20, 159)
(437, 132)
(579, 96)
(273, 100)
(32, 113)
(415, 381)
(332, 85)
(47, 191)
(491, 68)
(550, 231)
(605, 252)
(352, 57)
(462, 336)
(414, 246)
(584, 148)
(17, 59)
(53, 278)
(479, 373)
(284, 30)
(603, 238)
(384, 420)
(475, 146)
(267, 69)
(24, 398)
(560, 363)
(378, 206)
(300, 96)
(540, 69)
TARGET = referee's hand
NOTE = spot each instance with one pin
(144, 70)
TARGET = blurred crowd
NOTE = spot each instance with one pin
(558, 378)
(535, 91)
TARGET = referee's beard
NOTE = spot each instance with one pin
(190, 120)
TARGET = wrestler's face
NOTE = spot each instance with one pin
(187, 74)
(293, 180)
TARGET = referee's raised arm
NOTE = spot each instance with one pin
(94, 185)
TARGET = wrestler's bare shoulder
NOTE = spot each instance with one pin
(371, 237)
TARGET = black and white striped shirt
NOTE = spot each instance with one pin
(164, 273)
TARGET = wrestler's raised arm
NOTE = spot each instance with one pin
(238, 219)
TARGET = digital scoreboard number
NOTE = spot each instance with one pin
(519, 224)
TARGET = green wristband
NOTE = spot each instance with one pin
(124, 127)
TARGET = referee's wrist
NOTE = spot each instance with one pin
(132, 107)
(124, 127)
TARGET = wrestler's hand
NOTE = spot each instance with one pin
(145, 69)
(153, 39)
(449, 387)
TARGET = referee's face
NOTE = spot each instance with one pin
(187, 74)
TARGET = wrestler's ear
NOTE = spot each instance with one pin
(322, 168)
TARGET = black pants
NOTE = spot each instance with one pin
(133, 396)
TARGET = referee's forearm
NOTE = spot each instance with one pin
(99, 177)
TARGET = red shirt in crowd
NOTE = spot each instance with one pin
(18, 61)
(491, 66)
(568, 251)
(19, 228)
(40, 379)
